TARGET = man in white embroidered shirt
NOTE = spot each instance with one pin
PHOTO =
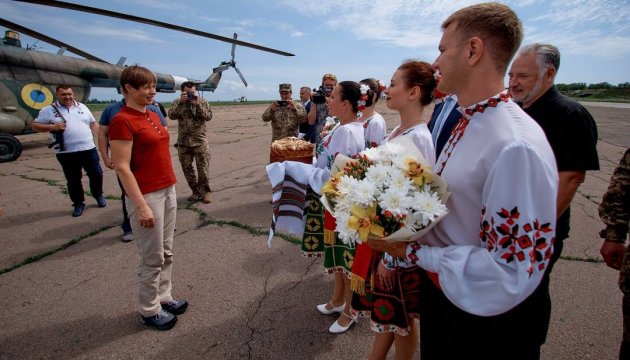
(484, 260)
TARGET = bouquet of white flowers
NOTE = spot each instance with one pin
(387, 192)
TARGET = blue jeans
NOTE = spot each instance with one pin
(72, 164)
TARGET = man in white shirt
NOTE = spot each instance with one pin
(484, 260)
(76, 127)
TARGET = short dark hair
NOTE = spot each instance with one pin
(136, 76)
(189, 84)
(420, 74)
(62, 87)
(351, 91)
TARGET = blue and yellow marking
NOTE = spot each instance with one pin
(36, 96)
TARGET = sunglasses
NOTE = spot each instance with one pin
(329, 77)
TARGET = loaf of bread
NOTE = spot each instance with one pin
(292, 149)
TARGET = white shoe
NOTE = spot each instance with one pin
(324, 310)
(127, 237)
(335, 328)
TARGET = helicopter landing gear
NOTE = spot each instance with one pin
(10, 148)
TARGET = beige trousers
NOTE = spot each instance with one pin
(155, 245)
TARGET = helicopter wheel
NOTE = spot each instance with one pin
(10, 148)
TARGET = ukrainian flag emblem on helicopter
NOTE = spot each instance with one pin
(36, 96)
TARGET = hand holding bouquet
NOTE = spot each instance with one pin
(388, 192)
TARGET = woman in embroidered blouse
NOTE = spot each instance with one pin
(410, 90)
(373, 122)
(346, 138)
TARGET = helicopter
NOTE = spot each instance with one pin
(28, 77)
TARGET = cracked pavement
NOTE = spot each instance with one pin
(246, 301)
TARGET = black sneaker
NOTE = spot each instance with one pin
(162, 321)
(78, 210)
(176, 307)
(101, 201)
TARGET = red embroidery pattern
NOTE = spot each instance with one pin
(458, 131)
(529, 242)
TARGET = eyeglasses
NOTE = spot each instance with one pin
(329, 77)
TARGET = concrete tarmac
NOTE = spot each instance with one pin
(68, 284)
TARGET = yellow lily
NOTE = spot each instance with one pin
(361, 220)
(330, 187)
(419, 173)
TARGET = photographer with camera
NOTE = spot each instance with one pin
(285, 115)
(75, 128)
(318, 113)
(192, 113)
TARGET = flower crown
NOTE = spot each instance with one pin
(362, 100)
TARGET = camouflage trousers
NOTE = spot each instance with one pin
(198, 182)
(624, 285)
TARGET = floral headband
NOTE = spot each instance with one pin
(381, 86)
(363, 100)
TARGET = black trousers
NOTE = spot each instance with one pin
(72, 164)
(446, 332)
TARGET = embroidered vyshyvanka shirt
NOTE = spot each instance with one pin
(348, 139)
(375, 130)
(491, 250)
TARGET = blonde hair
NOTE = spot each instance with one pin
(495, 24)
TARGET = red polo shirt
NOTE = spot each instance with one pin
(150, 155)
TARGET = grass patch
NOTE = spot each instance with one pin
(34, 258)
(50, 182)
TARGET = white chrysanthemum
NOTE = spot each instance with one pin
(395, 201)
(398, 180)
(346, 184)
(374, 154)
(429, 205)
(391, 150)
(347, 235)
(378, 175)
(363, 192)
(330, 121)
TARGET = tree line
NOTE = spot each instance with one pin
(584, 86)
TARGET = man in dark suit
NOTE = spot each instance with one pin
(444, 117)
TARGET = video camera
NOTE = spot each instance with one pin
(319, 96)
(191, 95)
(57, 140)
(282, 103)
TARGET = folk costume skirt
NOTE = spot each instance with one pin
(338, 257)
(313, 237)
(390, 310)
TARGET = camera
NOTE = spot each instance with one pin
(318, 96)
(191, 95)
(282, 103)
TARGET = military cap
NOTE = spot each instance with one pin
(285, 87)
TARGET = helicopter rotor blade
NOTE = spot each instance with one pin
(109, 13)
(42, 37)
(234, 47)
(241, 75)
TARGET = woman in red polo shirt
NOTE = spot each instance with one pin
(140, 152)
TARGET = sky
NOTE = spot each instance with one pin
(352, 39)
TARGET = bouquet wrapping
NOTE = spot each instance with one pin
(389, 192)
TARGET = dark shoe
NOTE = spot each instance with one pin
(176, 307)
(206, 198)
(162, 321)
(193, 197)
(78, 210)
(101, 201)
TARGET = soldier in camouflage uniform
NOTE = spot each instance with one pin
(192, 113)
(285, 115)
(615, 213)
